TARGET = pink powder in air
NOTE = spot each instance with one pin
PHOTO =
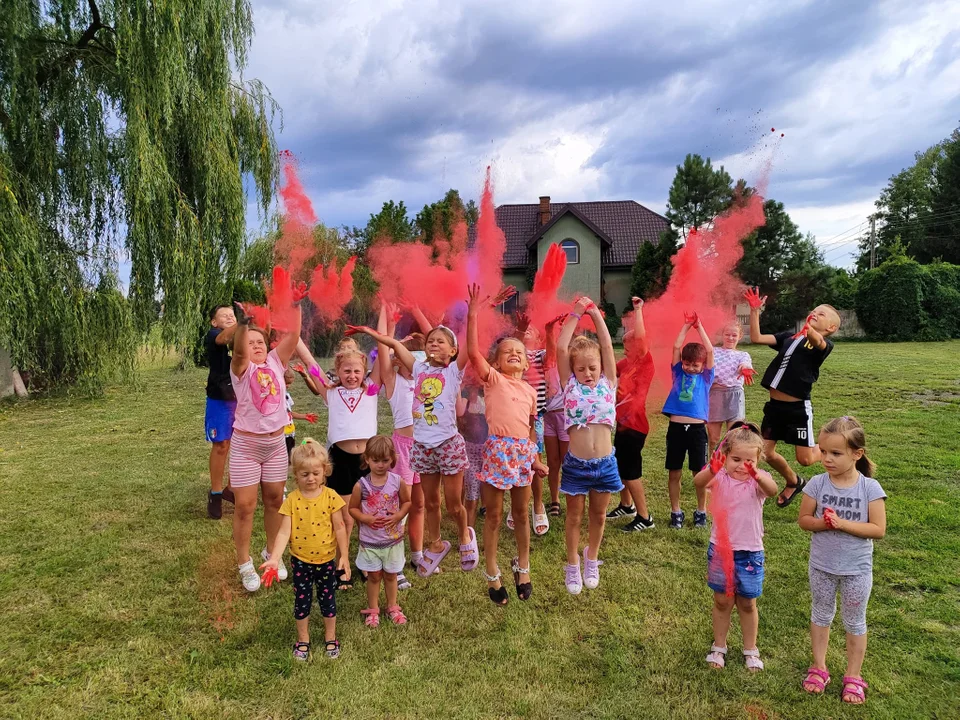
(295, 245)
(331, 290)
(280, 299)
(542, 304)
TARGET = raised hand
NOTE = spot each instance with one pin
(582, 305)
(241, 314)
(523, 321)
(357, 330)
(753, 298)
(751, 470)
(690, 318)
(806, 326)
(311, 418)
(297, 368)
(747, 374)
(506, 292)
(299, 290)
(474, 301)
(558, 319)
(717, 461)
(637, 303)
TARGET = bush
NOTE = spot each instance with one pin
(903, 300)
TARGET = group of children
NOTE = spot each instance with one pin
(573, 400)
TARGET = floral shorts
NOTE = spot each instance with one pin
(507, 461)
(471, 477)
(447, 458)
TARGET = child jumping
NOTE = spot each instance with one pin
(472, 424)
(634, 375)
(738, 490)
(313, 525)
(788, 416)
(510, 457)
(438, 452)
(380, 502)
(844, 510)
(589, 467)
(732, 368)
(686, 407)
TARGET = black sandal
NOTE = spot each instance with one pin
(343, 584)
(797, 488)
(553, 509)
(497, 595)
(524, 590)
(301, 651)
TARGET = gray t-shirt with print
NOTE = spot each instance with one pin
(834, 551)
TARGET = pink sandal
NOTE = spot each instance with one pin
(431, 560)
(853, 687)
(469, 561)
(816, 681)
(396, 615)
(372, 619)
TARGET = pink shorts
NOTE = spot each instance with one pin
(257, 458)
(553, 425)
(403, 445)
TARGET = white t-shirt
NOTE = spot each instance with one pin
(435, 393)
(352, 414)
(726, 366)
(401, 402)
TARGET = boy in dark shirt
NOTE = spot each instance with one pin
(788, 416)
(221, 402)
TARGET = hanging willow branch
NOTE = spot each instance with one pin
(125, 131)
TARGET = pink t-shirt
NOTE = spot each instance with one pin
(742, 500)
(510, 403)
(260, 397)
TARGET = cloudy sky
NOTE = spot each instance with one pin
(384, 99)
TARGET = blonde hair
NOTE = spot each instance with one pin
(310, 451)
(347, 341)
(380, 447)
(581, 344)
(495, 351)
(852, 431)
(743, 433)
(341, 357)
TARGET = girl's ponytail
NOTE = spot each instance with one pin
(865, 466)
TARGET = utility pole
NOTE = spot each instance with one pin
(873, 241)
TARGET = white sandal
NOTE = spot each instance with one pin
(716, 657)
(540, 520)
(751, 658)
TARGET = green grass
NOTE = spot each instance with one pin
(119, 599)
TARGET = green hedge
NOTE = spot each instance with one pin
(903, 300)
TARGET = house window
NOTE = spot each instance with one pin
(511, 305)
(571, 249)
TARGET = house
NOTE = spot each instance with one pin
(600, 239)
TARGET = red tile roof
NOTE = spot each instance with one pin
(625, 222)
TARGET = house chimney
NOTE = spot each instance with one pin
(544, 210)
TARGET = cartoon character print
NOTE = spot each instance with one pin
(688, 384)
(264, 389)
(383, 505)
(429, 388)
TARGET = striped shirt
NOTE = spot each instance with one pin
(537, 378)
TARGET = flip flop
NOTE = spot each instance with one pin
(431, 560)
(510, 523)
(467, 564)
(540, 520)
(782, 502)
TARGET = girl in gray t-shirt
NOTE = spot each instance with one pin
(844, 510)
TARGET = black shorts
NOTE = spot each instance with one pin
(291, 441)
(685, 439)
(628, 445)
(788, 421)
(347, 470)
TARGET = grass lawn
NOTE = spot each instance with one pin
(118, 598)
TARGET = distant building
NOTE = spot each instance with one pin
(600, 239)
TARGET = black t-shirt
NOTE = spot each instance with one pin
(797, 365)
(219, 386)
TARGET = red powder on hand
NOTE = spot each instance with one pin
(280, 300)
(330, 290)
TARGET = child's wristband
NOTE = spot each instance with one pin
(578, 316)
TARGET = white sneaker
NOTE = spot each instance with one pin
(281, 568)
(249, 577)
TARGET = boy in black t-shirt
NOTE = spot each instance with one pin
(788, 416)
(221, 401)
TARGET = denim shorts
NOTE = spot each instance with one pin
(747, 571)
(579, 476)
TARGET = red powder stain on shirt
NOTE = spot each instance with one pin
(723, 549)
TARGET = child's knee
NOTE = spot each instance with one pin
(722, 602)
(746, 605)
(221, 448)
(377, 575)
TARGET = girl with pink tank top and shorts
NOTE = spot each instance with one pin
(398, 389)
(258, 452)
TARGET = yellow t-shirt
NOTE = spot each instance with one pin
(312, 538)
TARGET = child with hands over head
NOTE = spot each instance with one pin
(313, 525)
(438, 452)
(788, 416)
(555, 439)
(258, 451)
(687, 408)
(510, 457)
(732, 368)
(589, 467)
(735, 559)
(844, 509)
(380, 502)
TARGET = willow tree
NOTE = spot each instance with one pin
(126, 131)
